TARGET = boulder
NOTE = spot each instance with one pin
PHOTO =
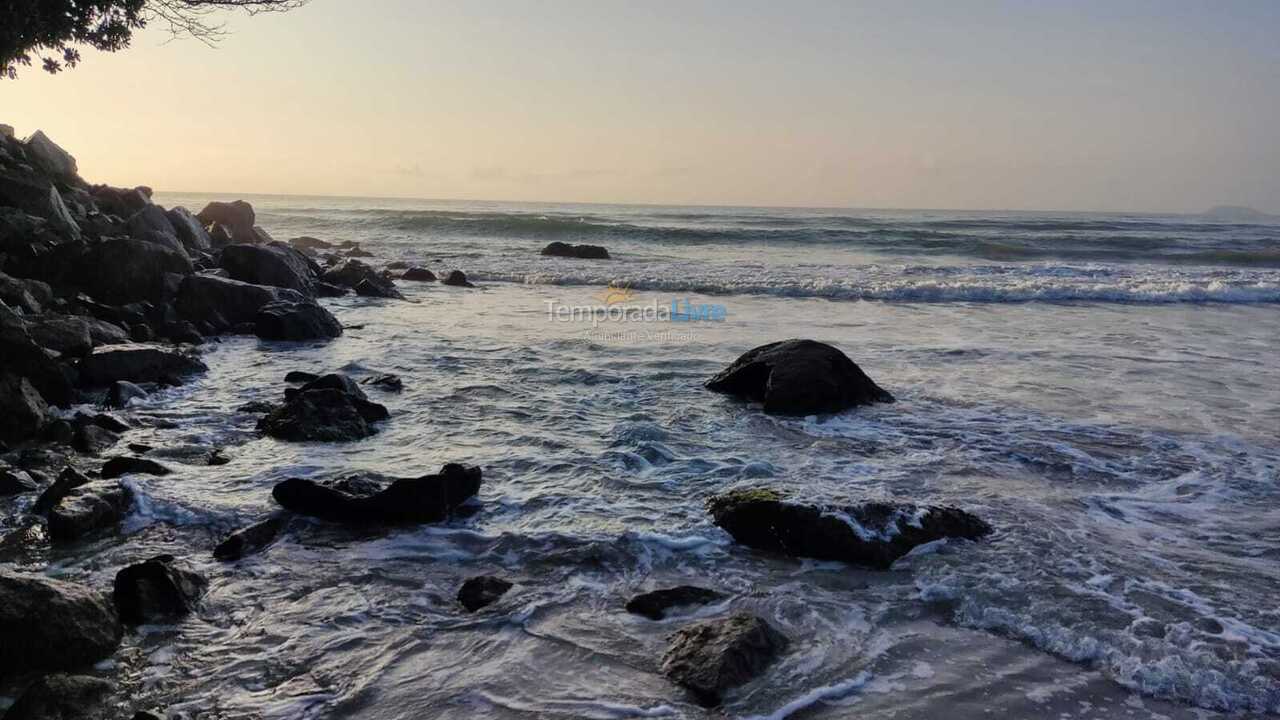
(25, 411)
(136, 364)
(63, 697)
(306, 320)
(92, 439)
(16, 482)
(123, 270)
(418, 274)
(356, 274)
(88, 509)
(798, 377)
(223, 302)
(121, 202)
(457, 278)
(53, 624)
(16, 293)
(300, 376)
(121, 392)
(481, 590)
(323, 415)
(236, 217)
(156, 590)
(710, 657)
(310, 244)
(69, 479)
(46, 154)
(872, 534)
(250, 539)
(102, 332)
(655, 605)
(37, 196)
(387, 381)
(190, 231)
(430, 498)
(276, 264)
(124, 465)
(152, 224)
(68, 334)
(21, 357)
(586, 252)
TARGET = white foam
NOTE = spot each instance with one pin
(817, 695)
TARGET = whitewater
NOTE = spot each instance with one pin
(1102, 388)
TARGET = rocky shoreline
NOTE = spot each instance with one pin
(106, 297)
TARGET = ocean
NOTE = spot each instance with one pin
(1102, 388)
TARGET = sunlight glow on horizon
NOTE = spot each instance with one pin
(1160, 106)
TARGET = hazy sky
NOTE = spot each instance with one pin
(1158, 105)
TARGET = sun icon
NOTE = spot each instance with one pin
(617, 292)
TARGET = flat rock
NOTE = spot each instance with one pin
(136, 364)
(710, 657)
(798, 377)
(655, 605)
(872, 534)
(53, 624)
(430, 498)
(88, 509)
(124, 465)
(586, 252)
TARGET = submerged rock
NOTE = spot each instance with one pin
(158, 589)
(872, 534)
(331, 408)
(586, 252)
(88, 509)
(418, 274)
(654, 605)
(121, 392)
(306, 320)
(362, 278)
(136, 364)
(250, 539)
(457, 278)
(123, 465)
(429, 498)
(53, 624)
(481, 590)
(63, 697)
(386, 381)
(710, 657)
(798, 377)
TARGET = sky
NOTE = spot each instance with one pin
(1120, 105)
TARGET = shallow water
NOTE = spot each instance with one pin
(1123, 446)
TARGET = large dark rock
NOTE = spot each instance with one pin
(48, 156)
(481, 590)
(92, 439)
(15, 482)
(121, 393)
(223, 303)
(68, 480)
(236, 217)
(63, 697)
(102, 332)
(17, 293)
(654, 605)
(329, 408)
(22, 357)
(124, 465)
(124, 270)
(152, 225)
(136, 364)
(798, 377)
(873, 534)
(25, 411)
(430, 498)
(68, 334)
(88, 509)
(156, 590)
(418, 274)
(52, 624)
(586, 252)
(250, 539)
(710, 657)
(190, 231)
(276, 264)
(362, 278)
(457, 278)
(306, 320)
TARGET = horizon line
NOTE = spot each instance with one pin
(725, 206)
